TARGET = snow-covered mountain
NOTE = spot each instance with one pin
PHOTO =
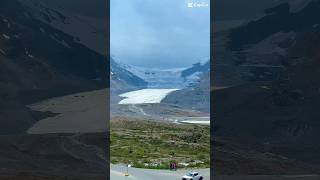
(167, 78)
(188, 87)
(122, 80)
(158, 78)
(194, 74)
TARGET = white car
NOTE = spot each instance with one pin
(192, 176)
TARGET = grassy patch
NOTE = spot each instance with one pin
(150, 144)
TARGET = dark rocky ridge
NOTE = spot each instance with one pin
(39, 62)
(196, 97)
(277, 19)
(278, 116)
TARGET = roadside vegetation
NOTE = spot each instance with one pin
(153, 144)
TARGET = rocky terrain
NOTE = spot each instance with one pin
(39, 61)
(122, 80)
(196, 96)
(273, 112)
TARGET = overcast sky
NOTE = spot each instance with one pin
(159, 33)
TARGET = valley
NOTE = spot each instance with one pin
(147, 132)
(145, 143)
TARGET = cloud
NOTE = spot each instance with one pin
(159, 34)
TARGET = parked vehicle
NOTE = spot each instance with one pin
(192, 176)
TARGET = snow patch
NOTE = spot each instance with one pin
(6, 36)
(17, 36)
(193, 78)
(42, 30)
(62, 42)
(197, 122)
(145, 96)
(28, 53)
(2, 52)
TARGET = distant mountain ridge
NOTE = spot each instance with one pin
(166, 78)
(197, 67)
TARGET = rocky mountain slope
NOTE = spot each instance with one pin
(277, 114)
(122, 80)
(256, 50)
(38, 61)
(196, 94)
(83, 20)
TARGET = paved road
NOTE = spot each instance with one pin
(117, 173)
(270, 177)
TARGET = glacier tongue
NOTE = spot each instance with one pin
(145, 96)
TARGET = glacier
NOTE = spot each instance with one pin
(145, 96)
